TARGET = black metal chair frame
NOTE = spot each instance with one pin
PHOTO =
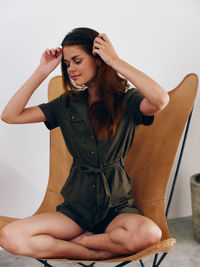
(156, 261)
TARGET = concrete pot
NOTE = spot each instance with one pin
(195, 197)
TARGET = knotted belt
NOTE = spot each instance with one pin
(100, 170)
(88, 168)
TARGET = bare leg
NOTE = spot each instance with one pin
(126, 234)
(46, 236)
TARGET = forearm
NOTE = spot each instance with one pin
(153, 92)
(19, 100)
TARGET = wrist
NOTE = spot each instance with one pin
(42, 72)
(116, 63)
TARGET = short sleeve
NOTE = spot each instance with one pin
(51, 111)
(134, 98)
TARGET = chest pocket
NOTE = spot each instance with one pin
(75, 128)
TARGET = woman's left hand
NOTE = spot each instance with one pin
(103, 47)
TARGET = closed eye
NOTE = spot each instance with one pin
(76, 62)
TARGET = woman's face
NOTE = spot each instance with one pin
(81, 67)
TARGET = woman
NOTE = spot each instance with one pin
(98, 117)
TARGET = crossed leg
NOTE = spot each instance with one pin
(46, 235)
(54, 235)
(126, 234)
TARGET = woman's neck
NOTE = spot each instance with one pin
(93, 94)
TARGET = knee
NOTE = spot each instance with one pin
(147, 235)
(11, 240)
(152, 233)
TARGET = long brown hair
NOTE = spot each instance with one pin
(103, 115)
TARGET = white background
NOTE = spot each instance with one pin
(161, 38)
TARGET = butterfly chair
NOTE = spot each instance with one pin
(148, 163)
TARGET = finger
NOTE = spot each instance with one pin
(58, 49)
(53, 52)
(59, 56)
(97, 45)
(98, 40)
(104, 37)
(48, 51)
(95, 51)
(58, 53)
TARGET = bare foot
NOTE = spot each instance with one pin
(97, 254)
(78, 238)
(103, 255)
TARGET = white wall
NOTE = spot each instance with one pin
(161, 38)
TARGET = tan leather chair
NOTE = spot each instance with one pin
(153, 152)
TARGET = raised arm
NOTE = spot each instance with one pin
(15, 111)
(156, 98)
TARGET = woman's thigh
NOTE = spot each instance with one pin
(54, 224)
(123, 220)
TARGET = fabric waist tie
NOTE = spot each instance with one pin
(88, 168)
(100, 170)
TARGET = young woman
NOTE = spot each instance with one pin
(98, 115)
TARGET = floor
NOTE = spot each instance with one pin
(186, 253)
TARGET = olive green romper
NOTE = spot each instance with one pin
(98, 187)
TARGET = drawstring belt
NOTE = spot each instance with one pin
(87, 168)
(100, 170)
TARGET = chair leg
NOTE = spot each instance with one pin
(155, 263)
(119, 265)
(155, 259)
(141, 262)
(160, 260)
(45, 263)
(91, 265)
(123, 263)
(178, 164)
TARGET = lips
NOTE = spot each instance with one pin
(75, 77)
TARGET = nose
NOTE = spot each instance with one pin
(71, 68)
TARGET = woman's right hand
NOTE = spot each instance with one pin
(50, 59)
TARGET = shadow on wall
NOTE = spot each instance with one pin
(16, 194)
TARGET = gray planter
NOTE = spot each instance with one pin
(195, 197)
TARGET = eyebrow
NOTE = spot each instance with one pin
(74, 57)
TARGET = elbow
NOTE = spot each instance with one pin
(162, 101)
(5, 118)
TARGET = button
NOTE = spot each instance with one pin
(73, 117)
(92, 153)
(93, 185)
